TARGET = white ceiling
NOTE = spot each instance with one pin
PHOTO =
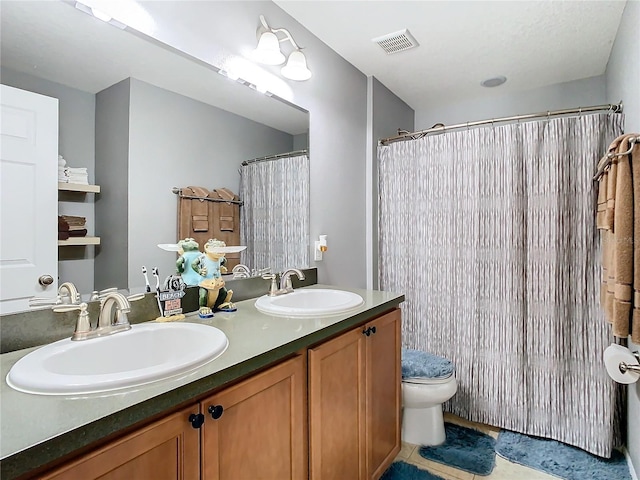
(55, 41)
(532, 43)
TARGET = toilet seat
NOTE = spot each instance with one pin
(428, 381)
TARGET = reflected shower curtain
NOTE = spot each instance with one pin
(490, 233)
(274, 222)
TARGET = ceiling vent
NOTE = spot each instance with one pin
(396, 42)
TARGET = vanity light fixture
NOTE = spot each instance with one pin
(268, 52)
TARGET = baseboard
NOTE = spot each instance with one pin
(632, 471)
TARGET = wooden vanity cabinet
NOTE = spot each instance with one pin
(259, 433)
(334, 413)
(260, 430)
(168, 449)
(355, 401)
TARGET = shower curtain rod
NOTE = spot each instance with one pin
(613, 108)
(275, 157)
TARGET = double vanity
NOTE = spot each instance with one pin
(302, 385)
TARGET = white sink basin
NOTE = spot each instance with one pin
(146, 353)
(309, 303)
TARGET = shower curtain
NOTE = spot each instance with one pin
(274, 221)
(490, 233)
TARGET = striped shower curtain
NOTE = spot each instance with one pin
(490, 233)
(274, 221)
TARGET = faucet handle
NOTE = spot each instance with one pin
(273, 288)
(106, 291)
(135, 297)
(44, 301)
(83, 325)
(69, 307)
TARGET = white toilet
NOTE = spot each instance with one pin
(427, 382)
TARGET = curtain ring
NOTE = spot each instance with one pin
(548, 115)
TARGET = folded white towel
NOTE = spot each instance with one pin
(77, 170)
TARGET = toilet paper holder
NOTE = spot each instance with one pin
(624, 367)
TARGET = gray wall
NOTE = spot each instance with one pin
(335, 96)
(112, 173)
(585, 92)
(76, 145)
(301, 141)
(623, 83)
(386, 114)
(175, 141)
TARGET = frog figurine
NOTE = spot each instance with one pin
(189, 251)
(213, 294)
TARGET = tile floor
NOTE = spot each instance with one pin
(504, 470)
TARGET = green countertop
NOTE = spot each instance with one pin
(37, 429)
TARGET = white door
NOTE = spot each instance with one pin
(29, 197)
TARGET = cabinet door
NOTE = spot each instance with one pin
(260, 432)
(168, 449)
(337, 408)
(384, 379)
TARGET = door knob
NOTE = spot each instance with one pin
(45, 280)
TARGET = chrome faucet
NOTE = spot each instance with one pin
(285, 279)
(241, 271)
(122, 307)
(107, 325)
(68, 293)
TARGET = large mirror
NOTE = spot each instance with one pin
(143, 118)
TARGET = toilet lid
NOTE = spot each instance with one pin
(418, 365)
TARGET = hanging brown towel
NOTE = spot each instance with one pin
(226, 211)
(199, 208)
(618, 219)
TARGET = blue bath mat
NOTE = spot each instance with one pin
(465, 448)
(559, 459)
(406, 471)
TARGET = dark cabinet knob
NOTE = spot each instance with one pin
(216, 411)
(369, 331)
(196, 419)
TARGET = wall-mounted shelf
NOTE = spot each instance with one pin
(81, 188)
(75, 241)
(78, 187)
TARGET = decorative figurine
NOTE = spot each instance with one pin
(189, 251)
(210, 266)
